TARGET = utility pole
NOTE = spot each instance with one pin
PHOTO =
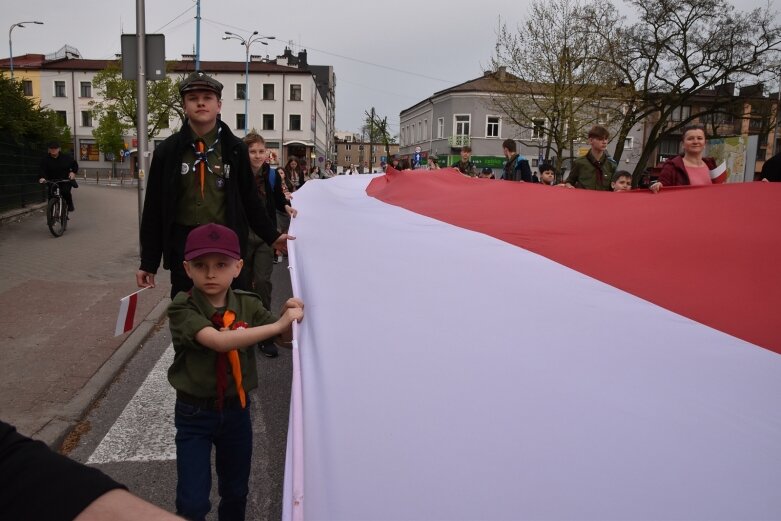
(142, 107)
(197, 35)
(371, 139)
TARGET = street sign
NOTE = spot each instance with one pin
(155, 56)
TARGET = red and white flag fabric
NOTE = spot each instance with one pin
(719, 174)
(478, 349)
(127, 313)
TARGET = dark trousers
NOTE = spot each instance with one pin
(65, 192)
(230, 431)
(179, 279)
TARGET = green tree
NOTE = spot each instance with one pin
(22, 120)
(542, 78)
(118, 95)
(376, 128)
(109, 136)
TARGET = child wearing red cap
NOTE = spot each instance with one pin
(211, 328)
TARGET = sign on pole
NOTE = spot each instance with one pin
(154, 53)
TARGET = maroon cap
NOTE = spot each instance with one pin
(212, 238)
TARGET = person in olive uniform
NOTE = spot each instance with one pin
(199, 175)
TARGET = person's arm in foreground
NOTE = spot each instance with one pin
(38, 483)
(121, 505)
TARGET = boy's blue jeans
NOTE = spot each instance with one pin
(230, 431)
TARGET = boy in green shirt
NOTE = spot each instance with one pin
(211, 328)
(595, 170)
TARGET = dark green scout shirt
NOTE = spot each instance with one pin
(193, 208)
(193, 370)
(584, 173)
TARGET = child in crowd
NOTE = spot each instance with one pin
(486, 173)
(547, 174)
(211, 328)
(622, 181)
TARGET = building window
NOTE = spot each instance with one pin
(59, 89)
(240, 121)
(268, 121)
(268, 91)
(295, 92)
(492, 126)
(241, 91)
(348, 147)
(27, 85)
(165, 121)
(88, 150)
(462, 122)
(295, 122)
(86, 118)
(348, 158)
(425, 129)
(62, 117)
(440, 128)
(629, 143)
(680, 113)
(669, 147)
(538, 128)
(85, 89)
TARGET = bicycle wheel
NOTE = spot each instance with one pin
(55, 218)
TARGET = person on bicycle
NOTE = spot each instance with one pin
(59, 166)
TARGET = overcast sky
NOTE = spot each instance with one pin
(386, 54)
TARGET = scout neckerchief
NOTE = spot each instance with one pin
(597, 165)
(201, 163)
(220, 320)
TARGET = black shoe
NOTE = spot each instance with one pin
(269, 349)
(71, 208)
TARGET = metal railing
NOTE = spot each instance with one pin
(459, 141)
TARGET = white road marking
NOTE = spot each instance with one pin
(145, 429)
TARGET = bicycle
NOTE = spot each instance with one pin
(56, 208)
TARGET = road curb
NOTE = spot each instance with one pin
(58, 428)
(11, 215)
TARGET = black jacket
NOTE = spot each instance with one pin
(517, 169)
(275, 197)
(53, 168)
(242, 204)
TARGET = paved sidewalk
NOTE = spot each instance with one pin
(60, 298)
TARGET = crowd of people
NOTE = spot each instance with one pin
(596, 170)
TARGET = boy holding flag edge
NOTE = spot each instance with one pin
(212, 326)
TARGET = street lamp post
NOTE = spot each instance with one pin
(11, 46)
(247, 43)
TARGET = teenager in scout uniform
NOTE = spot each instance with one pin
(199, 175)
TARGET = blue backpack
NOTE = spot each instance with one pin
(272, 177)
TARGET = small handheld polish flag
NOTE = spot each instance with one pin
(127, 313)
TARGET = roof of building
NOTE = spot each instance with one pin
(38, 61)
(491, 81)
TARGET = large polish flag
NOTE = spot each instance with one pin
(478, 349)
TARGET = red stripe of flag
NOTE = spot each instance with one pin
(131, 312)
(708, 253)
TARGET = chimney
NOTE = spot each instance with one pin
(302, 59)
(501, 72)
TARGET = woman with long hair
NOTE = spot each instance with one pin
(293, 176)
